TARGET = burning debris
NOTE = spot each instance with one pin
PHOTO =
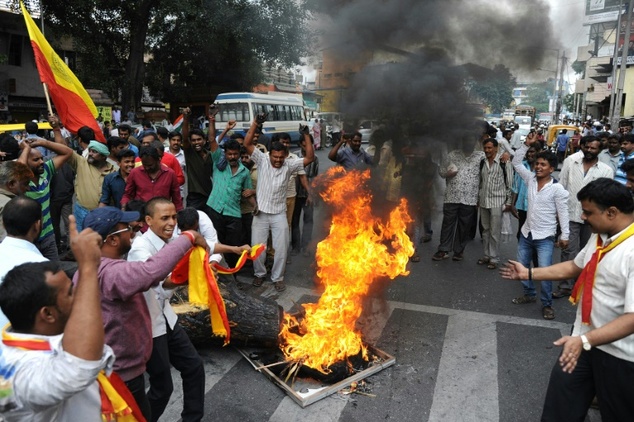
(359, 249)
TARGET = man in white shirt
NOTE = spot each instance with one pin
(176, 149)
(171, 344)
(598, 358)
(547, 204)
(274, 172)
(54, 350)
(22, 218)
(578, 170)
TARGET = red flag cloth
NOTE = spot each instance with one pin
(73, 104)
(583, 287)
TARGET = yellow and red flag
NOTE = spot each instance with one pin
(73, 104)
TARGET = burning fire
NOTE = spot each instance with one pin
(359, 249)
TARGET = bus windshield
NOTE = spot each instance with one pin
(234, 111)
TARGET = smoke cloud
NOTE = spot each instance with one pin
(415, 79)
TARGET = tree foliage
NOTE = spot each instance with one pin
(192, 44)
(569, 102)
(538, 95)
(496, 89)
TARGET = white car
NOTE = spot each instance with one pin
(366, 129)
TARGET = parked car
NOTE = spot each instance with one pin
(366, 129)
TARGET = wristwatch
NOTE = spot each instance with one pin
(586, 344)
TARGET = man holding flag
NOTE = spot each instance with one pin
(73, 104)
(599, 356)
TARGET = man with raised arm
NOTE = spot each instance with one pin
(199, 165)
(54, 348)
(231, 178)
(40, 185)
(274, 172)
(547, 204)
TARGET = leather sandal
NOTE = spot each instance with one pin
(558, 294)
(257, 281)
(280, 286)
(548, 312)
(483, 261)
(522, 300)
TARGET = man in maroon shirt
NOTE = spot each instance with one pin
(152, 180)
(126, 318)
(150, 139)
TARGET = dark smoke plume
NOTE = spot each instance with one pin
(416, 80)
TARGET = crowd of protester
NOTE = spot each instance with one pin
(147, 199)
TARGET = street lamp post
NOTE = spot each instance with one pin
(554, 97)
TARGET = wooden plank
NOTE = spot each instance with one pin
(306, 391)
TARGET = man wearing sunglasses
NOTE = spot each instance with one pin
(128, 327)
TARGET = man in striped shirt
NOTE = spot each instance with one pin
(494, 197)
(40, 185)
(274, 172)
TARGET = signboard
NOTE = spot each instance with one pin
(105, 112)
(629, 62)
(629, 45)
(596, 5)
(604, 17)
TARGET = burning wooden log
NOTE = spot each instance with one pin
(254, 320)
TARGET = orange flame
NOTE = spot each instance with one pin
(359, 249)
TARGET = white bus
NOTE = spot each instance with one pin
(285, 112)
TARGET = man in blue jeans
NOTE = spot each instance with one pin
(547, 203)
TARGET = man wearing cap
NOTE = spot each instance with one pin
(40, 185)
(90, 173)
(127, 323)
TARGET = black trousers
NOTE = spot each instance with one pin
(456, 225)
(229, 231)
(137, 389)
(198, 201)
(175, 349)
(569, 396)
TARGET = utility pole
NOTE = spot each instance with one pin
(615, 57)
(561, 87)
(619, 89)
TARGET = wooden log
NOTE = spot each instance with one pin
(254, 320)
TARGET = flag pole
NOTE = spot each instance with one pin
(46, 94)
(48, 98)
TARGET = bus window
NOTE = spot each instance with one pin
(234, 111)
(298, 113)
(283, 112)
(265, 108)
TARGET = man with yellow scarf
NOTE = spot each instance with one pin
(53, 355)
(598, 358)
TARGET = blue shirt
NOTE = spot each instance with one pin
(620, 176)
(112, 189)
(562, 142)
(349, 159)
(521, 189)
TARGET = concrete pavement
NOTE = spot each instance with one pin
(463, 351)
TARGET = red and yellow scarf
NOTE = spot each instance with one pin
(582, 290)
(203, 287)
(117, 403)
